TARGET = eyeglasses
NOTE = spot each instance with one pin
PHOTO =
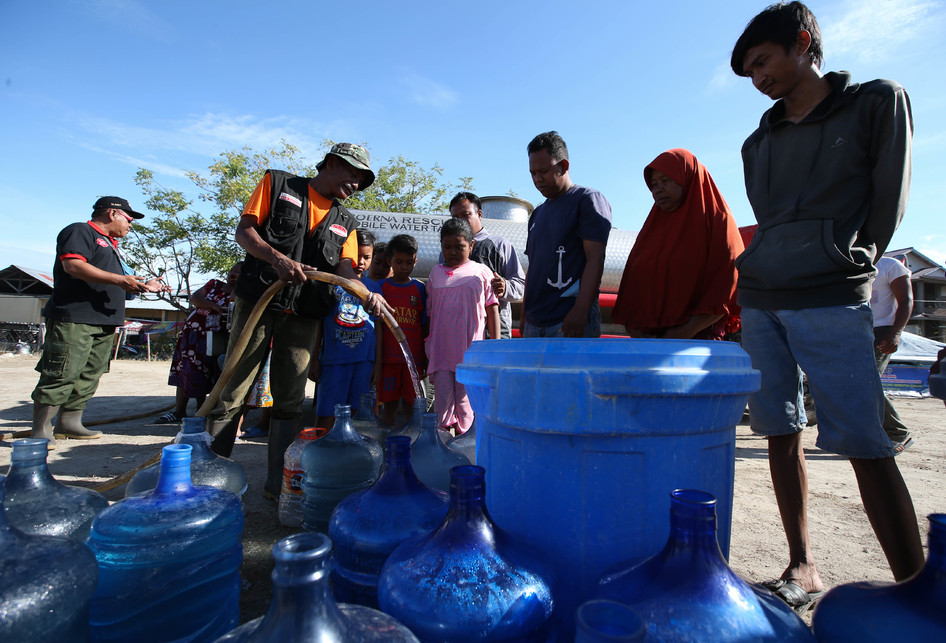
(124, 214)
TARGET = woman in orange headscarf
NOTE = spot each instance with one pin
(680, 278)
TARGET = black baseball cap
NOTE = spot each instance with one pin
(118, 203)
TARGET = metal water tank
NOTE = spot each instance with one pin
(507, 208)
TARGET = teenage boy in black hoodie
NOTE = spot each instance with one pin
(827, 173)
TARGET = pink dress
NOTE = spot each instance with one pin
(457, 299)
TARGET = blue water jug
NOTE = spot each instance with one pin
(336, 465)
(45, 585)
(601, 621)
(207, 468)
(367, 526)
(303, 609)
(37, 503)
(937, 380)
(465, 443)
(366, 421)
(687, 592)
(413, 426)
(431, 458)
(468, 580)
(914, 610)
(169, 560)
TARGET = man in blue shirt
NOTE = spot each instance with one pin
(568, 235)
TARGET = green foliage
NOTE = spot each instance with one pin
(192, 237)
(405, 186)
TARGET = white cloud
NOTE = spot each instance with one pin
(929, 142)
(872, 29)
(938, 253)
(429, 93)
(206, 135)
(723, 79)
(131, 15)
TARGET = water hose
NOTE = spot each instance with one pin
(234, 356)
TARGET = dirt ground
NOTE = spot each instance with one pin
(843, 542)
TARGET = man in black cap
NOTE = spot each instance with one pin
(88, 302)
(290, 224)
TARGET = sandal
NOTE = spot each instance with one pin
(903, 445)
(254, 432)
(793, 595)
(168, 418)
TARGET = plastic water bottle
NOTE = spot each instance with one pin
(688, 592)
(937, 380)
(465, 443)
(45, 585)
(431, 458)
(38, 504)
(207, 468)
(413, 427)
(468, 580)
(368, 525)
(303, 609)
(366, 421)
(169, 560)
(290, 496)
(914, 610)
(335, 466)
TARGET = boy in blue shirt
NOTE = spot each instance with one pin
(346, 347)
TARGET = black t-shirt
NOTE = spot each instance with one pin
(78, 301)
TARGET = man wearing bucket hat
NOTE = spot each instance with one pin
(90, 282)
(290, 224)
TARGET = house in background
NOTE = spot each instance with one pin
(24, 292)
(929, 294)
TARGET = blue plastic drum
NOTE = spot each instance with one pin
(584, 439)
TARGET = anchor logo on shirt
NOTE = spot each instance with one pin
(560, 284)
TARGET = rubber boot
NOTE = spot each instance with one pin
(223, 433)
(69, 425)
(281, 435)
(42, 422)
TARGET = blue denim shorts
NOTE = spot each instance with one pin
(834, 346)
(342, 384)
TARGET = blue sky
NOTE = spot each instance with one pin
(90, 91)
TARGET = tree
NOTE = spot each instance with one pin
(192, 237)
(405, 186)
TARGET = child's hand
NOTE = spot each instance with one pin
(498, 284)
(375, 304)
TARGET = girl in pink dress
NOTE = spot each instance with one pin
(461, 305)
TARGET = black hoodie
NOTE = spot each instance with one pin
(828, 194)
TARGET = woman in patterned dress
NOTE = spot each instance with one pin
(194, 372)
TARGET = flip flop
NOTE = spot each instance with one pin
(900, 447)
(793, 595)
(254, 432)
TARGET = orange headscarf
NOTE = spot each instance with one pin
(682, 263)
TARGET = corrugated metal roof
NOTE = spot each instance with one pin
(20, 280)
